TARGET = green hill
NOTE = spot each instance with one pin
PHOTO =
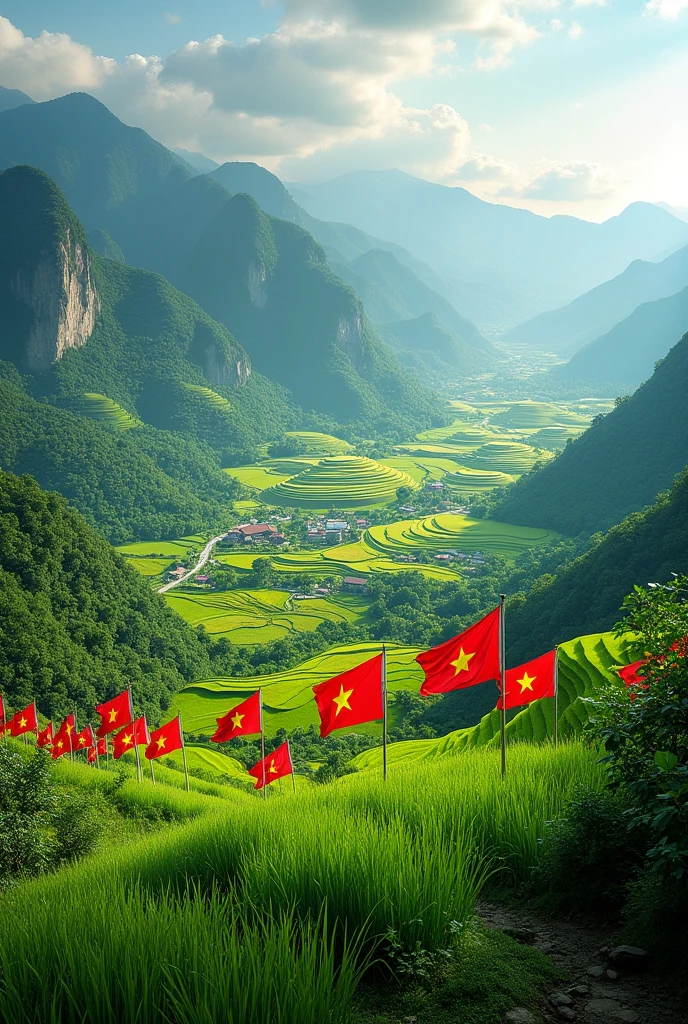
(425, 343)
(616, 467)
(586, 596)
(76, 623)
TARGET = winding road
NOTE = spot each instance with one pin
(204, 556)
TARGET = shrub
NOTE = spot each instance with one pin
(26, 799)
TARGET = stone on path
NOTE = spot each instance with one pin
(629, 958)
(519, 1015)
(560, 999)
(603, 1006)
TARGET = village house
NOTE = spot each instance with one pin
(355, 583)
(434, 485)
(250, 532)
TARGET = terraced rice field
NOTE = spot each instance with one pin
(260, 477)
(259, 616)
(458, 434)
(553, 438)
(584, 664)
(165, 548)
(533, 415)
(212, 761)
(447, 531)
(208, 396)
(320, 444)
(510, 457)
(105, 410)
(340, 481)
(152, 567)
(472, 480)
(287, 696)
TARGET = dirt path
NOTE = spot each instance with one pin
(205, 555)
(596, 997)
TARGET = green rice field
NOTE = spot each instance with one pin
(510, 457)
(105, 410)
(208, 396)
(447, 531)
(340, 481)
(259, 616)
(320, 444)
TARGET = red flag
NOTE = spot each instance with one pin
(99, 749)
(532, 681)
(23, 721)
(242, 720)
(85, 739)
(63, 740)
(351, 698)
(115, 713)
(102, 747)
(631, 673)
(274, 766)
(470, 658)
(45, 737)
(134, 735)
(165, 739)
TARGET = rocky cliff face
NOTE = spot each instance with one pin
(59, 291)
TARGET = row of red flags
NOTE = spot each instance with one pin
(351, 698)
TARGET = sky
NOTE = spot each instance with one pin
(561, 106)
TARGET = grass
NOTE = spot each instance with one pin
(164, 548)
(341, 481)
(105, 410)
(208, 396)
(258, 616)
(320, 444)
(149, 566)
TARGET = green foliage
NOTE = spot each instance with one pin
(26, 801)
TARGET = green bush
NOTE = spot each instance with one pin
(26, 800)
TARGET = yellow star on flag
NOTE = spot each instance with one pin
(342, 699)
(113, 714)
(526, 682)
(69, 728)
(127, 740)
(81, 741)
(22, 722)
(237, 719)
(462, 662)
(60, 744)
(161, 741)
(273, 769)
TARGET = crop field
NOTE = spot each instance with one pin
(287, 696)
(553, 438)
(105, 410)
(471, 480)
(534, 415)
(258, 616)
(208, 396)
(150, 567)
(343, 481)
(447, 531)
(259, 477)
(164, 548)
(504, 457)
(320, 444)
(584, 665)
(212, 761)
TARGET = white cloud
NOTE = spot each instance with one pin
(589, 3)
(572, 182)
(44, 65)
(668, 9)
(173, 19)
(575, 30)
(484, 167)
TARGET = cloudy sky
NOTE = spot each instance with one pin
(563, 106)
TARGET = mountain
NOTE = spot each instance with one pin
(617, 466)
(10, 98)
(270, 283)
(628, 352)
(98, 162)
(425, 344)
(588, 317)
(647, 546)
(200, 163)
(677, 211)
(76, 623)
(548, 261)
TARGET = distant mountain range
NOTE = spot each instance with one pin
(10, 98)
(538, 262)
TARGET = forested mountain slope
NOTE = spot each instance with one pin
(76, 623)
(616, 467)
(588, 317)
(586, 596)
(630, 350)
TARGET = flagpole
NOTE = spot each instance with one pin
(291, 763)
(502, 660)
(186, 770)
(556, 696)
(384, 713)
(71, 740)
(35, 718)
(262, 741)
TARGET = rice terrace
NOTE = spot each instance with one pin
(344, 513)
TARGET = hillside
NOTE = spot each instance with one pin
(269, 282)
(616, 467)
(426, 343)
(567, 330)
(76, 623)
(549, 260)
(10, 98)
(586, 596)
(630, 350)
(96, 160)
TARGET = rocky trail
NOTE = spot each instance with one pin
(606, 983)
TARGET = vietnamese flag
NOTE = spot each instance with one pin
(45, 737)
(351, 698)
(532, 681)
(243, 720)
(470, 658)
(85, 739)
(23, 721)
(134, 735)
(274, 766)
(63, 740)
(115, 713)
(99, 749)
(165, 739)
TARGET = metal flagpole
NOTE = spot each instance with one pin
(291, 763)
(35, 718)
(502, 660)
(556, 696)
(384, 713)
(139, 773)
(71, 739)
(186, 770)
(262, 742)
